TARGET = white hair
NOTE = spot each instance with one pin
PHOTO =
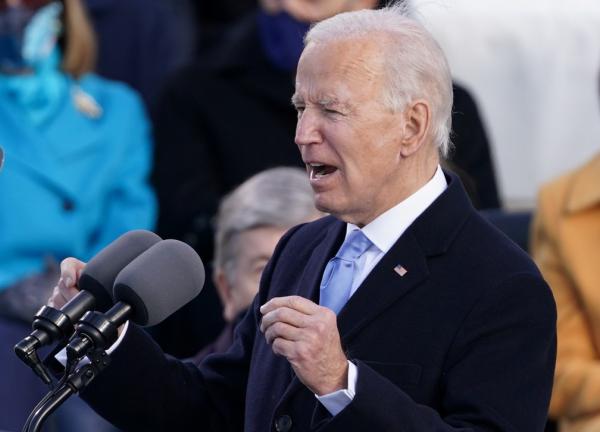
(277, 197)
(416, 65)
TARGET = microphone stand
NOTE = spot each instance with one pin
(95, 332)
(72, 384)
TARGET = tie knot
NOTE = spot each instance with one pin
(355, 245)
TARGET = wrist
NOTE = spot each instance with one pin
(339, 381)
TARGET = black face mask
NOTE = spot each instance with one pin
(13, 22)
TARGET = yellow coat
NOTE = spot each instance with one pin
(566, 247)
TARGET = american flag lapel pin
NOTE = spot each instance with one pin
(400, 270)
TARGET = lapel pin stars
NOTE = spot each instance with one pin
(400, 270)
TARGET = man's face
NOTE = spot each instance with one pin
(254, 248)
(349, 141)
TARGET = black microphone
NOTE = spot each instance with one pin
(146, 291)
(1, 157)
(95, 285)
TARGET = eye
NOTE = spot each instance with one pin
(299, 110)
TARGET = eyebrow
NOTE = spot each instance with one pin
(324, 102)
(296, 100)
(328, 102)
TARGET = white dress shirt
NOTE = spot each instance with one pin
(383, 232)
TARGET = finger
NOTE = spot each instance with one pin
(298, 303)
(286, 315)
(54, 299)
(282, 331)
(70, 268)
(283, 347)
(65, 293)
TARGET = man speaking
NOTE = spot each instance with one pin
(402, 311)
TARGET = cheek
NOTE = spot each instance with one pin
(246, 290)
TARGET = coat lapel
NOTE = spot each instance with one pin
(384, 285)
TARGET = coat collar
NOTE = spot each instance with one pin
(41, 152)
(584, 190)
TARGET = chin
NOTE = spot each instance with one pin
(332, 209)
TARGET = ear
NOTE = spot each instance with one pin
(224, 290)
(417, 119)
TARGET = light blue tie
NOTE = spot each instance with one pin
(340, 271)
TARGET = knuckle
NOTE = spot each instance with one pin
(277, 346)
(320, 327)
(329, 315)
(278, 314)
(303, 352)
(274, 329)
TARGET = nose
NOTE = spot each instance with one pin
(307, 128)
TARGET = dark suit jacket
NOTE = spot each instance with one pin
(465, 340)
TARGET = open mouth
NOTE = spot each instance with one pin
(319, 171)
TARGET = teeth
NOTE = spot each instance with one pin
(316, 165)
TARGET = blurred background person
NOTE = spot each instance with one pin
(140, 42)
(78, 154)
(212, 18)
(228, 116)
(566, 247)
(250, 221)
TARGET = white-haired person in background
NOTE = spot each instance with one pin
(403, 310)
(250, 221)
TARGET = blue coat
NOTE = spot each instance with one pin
(464, 341)
(72, 185)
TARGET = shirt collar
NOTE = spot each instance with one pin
(384, 230)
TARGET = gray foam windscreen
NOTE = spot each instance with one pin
(1, 157)
(160, 281)
(100, 273)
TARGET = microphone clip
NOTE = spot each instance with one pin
(49, 324)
